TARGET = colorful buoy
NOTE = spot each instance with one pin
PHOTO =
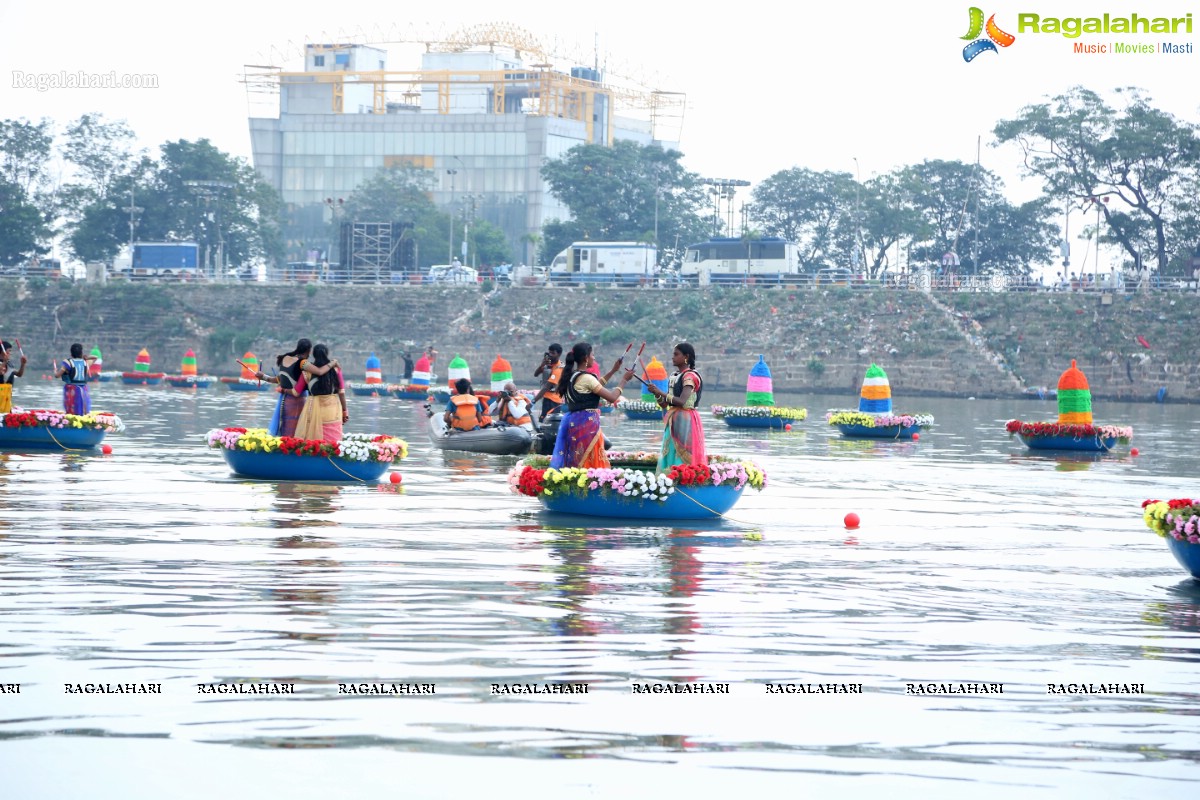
(876, 394)
(458, 369)
(188, 365)
(759, 390)
(656, 375)
(852, 520)
(421, 374)
(501, 373)
(142, 362)
(251, 362)
(374, 370)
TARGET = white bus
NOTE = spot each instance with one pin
(605, 262)
(730, 260)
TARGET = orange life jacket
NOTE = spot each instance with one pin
(555, 377)
(506, 414)
(466, 415)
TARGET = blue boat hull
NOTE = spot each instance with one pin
(250, 387)
(104, 379)
(654, 416)
(879, 432)
(691, 502)
(141, 381)
(775, 423)
(284, 467)
(44, 438)
(1187, 554)
(186, 384)
(369, 391)
(406, 395)
(1092, 444)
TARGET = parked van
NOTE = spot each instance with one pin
(605, 262)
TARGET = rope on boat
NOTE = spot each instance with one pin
(710, 510)
(339, 469)
(63, 446)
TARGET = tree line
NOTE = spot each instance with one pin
(1134, 167)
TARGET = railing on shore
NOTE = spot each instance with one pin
(920, 282)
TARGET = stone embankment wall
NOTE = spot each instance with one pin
(982, 345)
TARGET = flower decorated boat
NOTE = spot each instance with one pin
(45, 428)
(247, 385)
(108, 376)
(254, 453)
(141, 375)
(1177, 521)
(760, 410)
(857, 425)
(874, 418)
(1075, 429)
(187, 377)
(774, 417)
(418, 387)
(631, 489)
(641, 410)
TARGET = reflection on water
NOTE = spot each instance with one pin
(975, 561)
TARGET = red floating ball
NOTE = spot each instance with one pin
(916, 437)
(852, 520)
(395, 477)
(106, 449)
(787, 427)
(1133, 452)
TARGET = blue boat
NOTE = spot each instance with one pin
(43, 438)
(653, 416)
(285, 467)
(405, 394)
(373, 390)
(776, 423)
(688, 502)
(1187, 554)
(879, 431)
(142, 378)
(239, 385)
(1090, 444)
(189, 382)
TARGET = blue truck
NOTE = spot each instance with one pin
(179, 260)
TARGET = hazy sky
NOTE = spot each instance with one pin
(769, 85)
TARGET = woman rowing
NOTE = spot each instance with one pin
(683, 434)
(580, 441)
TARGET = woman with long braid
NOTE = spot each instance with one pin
(683, 434)
(580, 441)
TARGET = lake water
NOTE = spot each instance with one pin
(976, 562)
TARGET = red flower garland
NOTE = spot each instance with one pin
(1076, 431)
(306, 447)
(531, 481)
(20, 419)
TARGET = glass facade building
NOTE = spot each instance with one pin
(484, 116)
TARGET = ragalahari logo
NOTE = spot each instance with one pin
(995, 36)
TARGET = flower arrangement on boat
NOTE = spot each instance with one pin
(1178, 519)
(1122, 433)
(720, 412)
(47, 418)
(353, 446)
(923, 421)
(631, 475)
(640, 406)
(1075, 428)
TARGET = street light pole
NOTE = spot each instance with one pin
(857, 214)
(450, 254)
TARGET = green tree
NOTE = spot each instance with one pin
(813, 209)
(1140, 158)
(22, 226)
(26, 149)
(400, 194)
(619, 193)
(488, 243)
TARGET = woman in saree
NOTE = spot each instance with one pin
(580, 441)
(683, 435)
(325, 409)
(291, 367)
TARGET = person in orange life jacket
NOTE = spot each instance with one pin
(8, 372)
(512, 407)
(465, 411)
(550, 371)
